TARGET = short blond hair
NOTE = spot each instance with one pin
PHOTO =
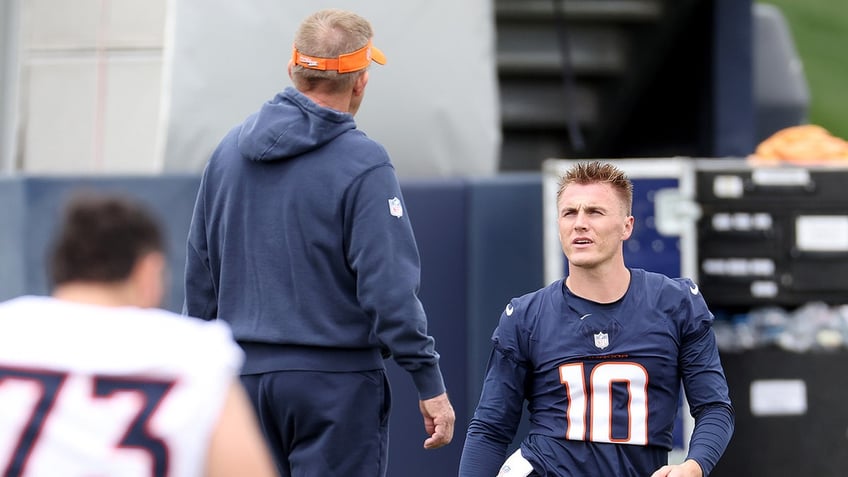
(593, 172)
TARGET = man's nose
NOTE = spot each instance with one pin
(580, 220)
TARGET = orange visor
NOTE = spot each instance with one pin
(346, 63)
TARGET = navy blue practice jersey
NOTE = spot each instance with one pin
(601, 381)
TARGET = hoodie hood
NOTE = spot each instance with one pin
(289, 125)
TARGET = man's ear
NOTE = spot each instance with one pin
(360, 83)
(148, 279)
(628, 227)
(289, 68)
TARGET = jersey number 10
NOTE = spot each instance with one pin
(599, 399)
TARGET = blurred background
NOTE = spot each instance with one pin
(818, 28)
(125, 86)
(481, 105)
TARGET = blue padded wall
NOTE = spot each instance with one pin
(480, 243)
(505, 258)
(39, 205)
(13, 266)
(437, 211)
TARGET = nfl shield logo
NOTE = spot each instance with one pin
(395, 208)
(601, 340)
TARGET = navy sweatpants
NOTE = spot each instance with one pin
(324, 424)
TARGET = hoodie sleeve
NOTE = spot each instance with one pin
(382, 252)
(201, 301)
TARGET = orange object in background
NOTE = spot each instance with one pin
(807, 145)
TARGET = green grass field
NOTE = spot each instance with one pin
(820, 30)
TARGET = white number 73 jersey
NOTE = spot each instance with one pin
(87, 390)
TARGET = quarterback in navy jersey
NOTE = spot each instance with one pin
(599, 358)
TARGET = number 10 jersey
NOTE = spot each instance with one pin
(602, 382)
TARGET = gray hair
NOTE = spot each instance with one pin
(327, 34)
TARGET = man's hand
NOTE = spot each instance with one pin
(689, 468)
(438, 420)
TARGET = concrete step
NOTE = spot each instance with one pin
(528, 103)
(581, 10)
(534, 49)
(526, 150)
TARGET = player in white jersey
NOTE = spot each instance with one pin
(95, 381)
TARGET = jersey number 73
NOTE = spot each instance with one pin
(17, 450)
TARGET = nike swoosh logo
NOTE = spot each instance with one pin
(694, 289)
(584, 316)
